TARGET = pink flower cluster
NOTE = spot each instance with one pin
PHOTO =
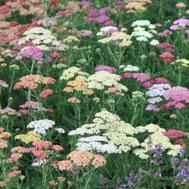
(8, 111)
(31, 104)
(177, 135)
(3, 84)
(106, 68)
(33, 52)
(39, 148)
(100, 17)
(144, 79)
(158, 80)
(167, 47)
(140, 77)
(165, 32)
(45, 93)
(174, 134)
(86, 4)
(177, 97)
(168, 54)
(180, 24)
(120, 4)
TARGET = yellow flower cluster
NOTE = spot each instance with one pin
(182, 62)
(70, 39)
(72, 72)
(28, 137)
(102, 80)
(77, 84)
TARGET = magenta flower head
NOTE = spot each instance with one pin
(147, 84)
(33, 52)
(106, 68)
(86, 4)
(120, 4)
(93, 13)
(161, 80)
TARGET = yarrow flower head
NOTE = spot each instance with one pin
(80, 159)
(144, 31)
(3, 84)
(108, 133)
(42, 39)
(41, 126)
(133, 6)
(180, 24)
(28, 137)
(30, 104)
(32, 81)
(177, 97)
(106, 68)
(103, 79)
(119, 38)
(156, 92)
(32, 52)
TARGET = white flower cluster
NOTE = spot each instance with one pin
(155, 94)
(106, 30)
(102, 79)
(72, 72)
(129, 68)
(41, 126)
(41, 38)
(108, 133)
(144, 31)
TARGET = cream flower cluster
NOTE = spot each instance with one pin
(119, 38)
(71, 39)
(72, 72)
(41, 126)
(144, 31)
(155, 137)
(103, 79)
(76, 81)
(108, 133)
(41, 38)
(182, 62)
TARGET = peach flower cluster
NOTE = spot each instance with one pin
(133, 6)
(31, 82)
(82, 159)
